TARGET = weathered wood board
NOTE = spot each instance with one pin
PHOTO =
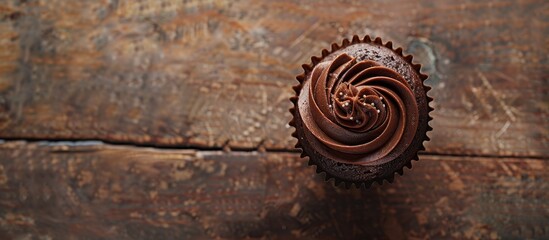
(118, 192)
(210, 74)
(206, 75)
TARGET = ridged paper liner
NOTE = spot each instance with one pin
(307, 68)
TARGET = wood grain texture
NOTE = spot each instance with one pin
(218, 73)
(117, 192)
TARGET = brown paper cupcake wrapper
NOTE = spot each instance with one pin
(336, 166)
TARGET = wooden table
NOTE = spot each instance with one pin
(165, 119)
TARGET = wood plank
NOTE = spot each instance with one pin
(218, 73)
(118, 192)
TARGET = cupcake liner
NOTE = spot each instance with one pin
(336, 170)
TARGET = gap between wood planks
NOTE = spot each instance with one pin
(97, 142)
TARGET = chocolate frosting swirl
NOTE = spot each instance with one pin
(360, 111)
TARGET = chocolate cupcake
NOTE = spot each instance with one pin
(361, 112)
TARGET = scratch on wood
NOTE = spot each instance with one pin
(479, 96)
(505, 168)
(505, 107)
(457, 183)
(503, 129)
(304, 34)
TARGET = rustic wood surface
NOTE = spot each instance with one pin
(116, 192)
(166, 84)
(218, 73)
